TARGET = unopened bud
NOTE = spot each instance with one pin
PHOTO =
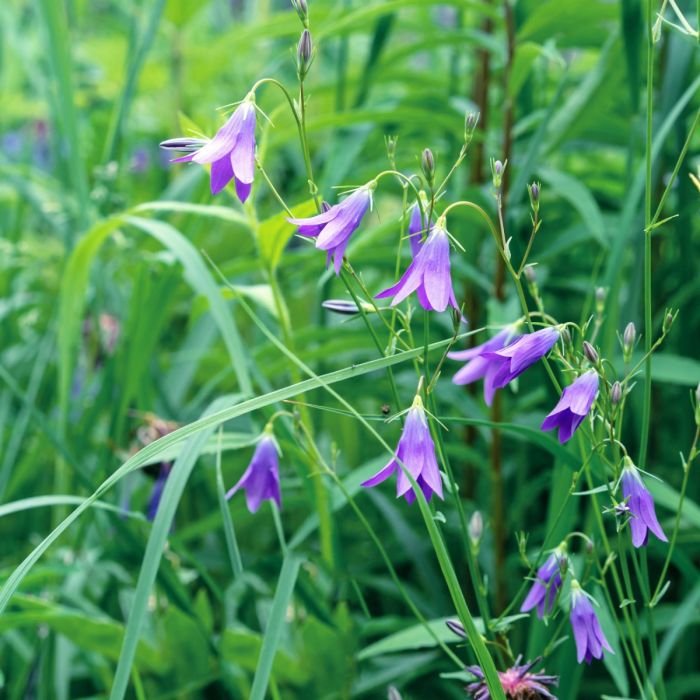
(341, 306)
(628, 339)
(305, 51)
(393, 693)
(428, 165)
(302, 10)
(668, 322)
(470, 122)
(591, 353)
(391, 142)
(476, 527)
(497, 168)
(616, 393)
(600, 294)
(530, 274)
(182, 143)
(534, 190)
(565, 336)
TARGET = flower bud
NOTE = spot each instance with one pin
(428, 165)
(341, 306)
(530, 274)
(497, 169)
(302, 10)
(476, 527)
(470, 122)
(182, 143)
(628, 339)
(391, 142)
(305, 51)
(393, 693)
(668, 322)
(600, 294)
(534, 190)
(565, 336)
(591, 353)
(616, 393)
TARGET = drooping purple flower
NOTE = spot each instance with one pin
(428, 275)
(516, 357)
(573, 406)
(517, 682)
(333, 228)
(416, 451)
(544, 590)
(415, 226)
(589, 637)
(231, 152)
(261, 480)
(641, 506)
(479, 365)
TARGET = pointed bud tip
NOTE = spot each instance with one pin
(591, 353)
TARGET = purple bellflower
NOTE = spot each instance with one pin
(261, 480)
(515, 358)
(517, 682)
(589, 637)
(573, 406)
(415, 224)
(544, 590)
(641, 506)
(416, 451)
(478, 364)
(231, 152)
(333, 228)
(428, 275)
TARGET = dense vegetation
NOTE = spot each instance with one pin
(152, 332)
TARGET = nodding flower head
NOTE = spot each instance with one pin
(479, 363)
(544, 590)
(261, 480)
(641, 506)
(231, 152)
(415, 224)
(428, 275)
(515, 358)
(333, 228)
(588, 635)
(416, 451)
(573, 406)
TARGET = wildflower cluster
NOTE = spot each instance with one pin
(592, 390)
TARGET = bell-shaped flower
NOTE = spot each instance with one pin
(641, 506)
(333, 228)
(589, 637)
(515, 358)
(428, 275)
(479, 364)
(573, 406)
(545, 588)
(261, 480)
(416, 452)
(231, 152)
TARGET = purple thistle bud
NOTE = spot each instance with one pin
(591, 353)
(416, 451)
(589, 637)
(231, 152)
(479, 364)
(573, 406)
(641, 505)
(515, 358)
(544, 590)
(333, 228)
(261, 480)
(428, 275)
(517, 682)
